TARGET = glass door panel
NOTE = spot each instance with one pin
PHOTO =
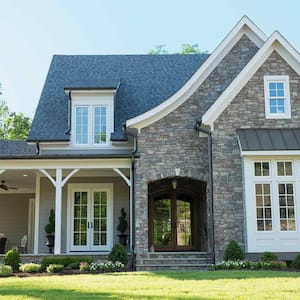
(162, 222)
(80, 219)
(183, 224)
(99, 219)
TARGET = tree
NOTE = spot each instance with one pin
(17, 126)
(185, 49)
(13, 126)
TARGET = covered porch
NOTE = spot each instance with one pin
(87, 196)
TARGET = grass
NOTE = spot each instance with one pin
(156, 285)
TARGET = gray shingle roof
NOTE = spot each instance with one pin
(145, 81)
(16, 148)
(269, 139)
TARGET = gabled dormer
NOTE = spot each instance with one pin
(91, 116)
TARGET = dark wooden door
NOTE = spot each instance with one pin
(171, 222)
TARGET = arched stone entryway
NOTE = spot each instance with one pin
(177, 215)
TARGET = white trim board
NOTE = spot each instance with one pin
(244, 26)
(271, 153)
(276, 42)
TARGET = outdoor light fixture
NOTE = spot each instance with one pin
(174, 184)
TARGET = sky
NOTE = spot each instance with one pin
(32, 31)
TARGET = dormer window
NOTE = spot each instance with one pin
(277, 97)
(92, 118)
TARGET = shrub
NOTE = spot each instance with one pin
(268, 256)
(296, 262)
(54, 268)
(73, 266)
(118, 253)
(5, 270)
(64, 260)
(107, 267)
(30, 268)
(12, 258)
(233, 252)
(84, 266)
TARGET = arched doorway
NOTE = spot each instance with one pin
(177, 215)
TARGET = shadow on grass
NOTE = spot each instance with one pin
(71, 294)
(220, 275)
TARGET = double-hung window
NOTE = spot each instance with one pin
(277, 97)
(92, 121)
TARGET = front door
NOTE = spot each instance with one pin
(172, 222)
(90, 214)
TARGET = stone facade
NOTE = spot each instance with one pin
(247, 110)
(172, 142)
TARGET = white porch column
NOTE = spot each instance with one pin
(37, 214)
(58, 211)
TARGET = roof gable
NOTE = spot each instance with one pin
(276, 42)
(244, 27)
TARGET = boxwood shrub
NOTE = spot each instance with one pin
(233, 252)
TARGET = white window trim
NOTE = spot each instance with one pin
(92, 100)
(275, 240)
(287, 106)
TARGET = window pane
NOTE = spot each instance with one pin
(263, 207)
(100, 128)
(288, 168)
(286, 207)
(81, 120)
(280, 169)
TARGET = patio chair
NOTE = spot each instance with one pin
(22, 247)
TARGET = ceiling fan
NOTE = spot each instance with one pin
(5, 187)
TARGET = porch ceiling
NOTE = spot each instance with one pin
(23, 180)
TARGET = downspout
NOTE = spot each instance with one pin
(37, 148)
(135, 149)
(68, 92)
(199, 128)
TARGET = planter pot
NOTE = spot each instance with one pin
(50, 242)
(123, 239)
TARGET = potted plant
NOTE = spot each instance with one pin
(122, 227)
(50, 230)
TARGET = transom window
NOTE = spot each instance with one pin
(284, 168)
(92, 119)
(262, 168)
(277, 97)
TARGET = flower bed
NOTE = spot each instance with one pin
(249, 265)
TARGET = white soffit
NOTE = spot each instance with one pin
(276, 42)
(244, 26)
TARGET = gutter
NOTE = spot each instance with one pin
(133, 156)
(198, 127)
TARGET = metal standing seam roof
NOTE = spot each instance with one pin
(144, 81)
(269, 139)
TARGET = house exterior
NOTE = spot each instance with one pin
(198, 149)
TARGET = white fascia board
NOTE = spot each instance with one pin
(271, 153)
(275, 42)
(244, 26)
(51, 164)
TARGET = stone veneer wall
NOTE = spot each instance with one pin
(247, 110)
(173, 143)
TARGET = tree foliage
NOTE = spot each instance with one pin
(185, 49)
(13, 126)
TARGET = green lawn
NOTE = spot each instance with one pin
(156, 285)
